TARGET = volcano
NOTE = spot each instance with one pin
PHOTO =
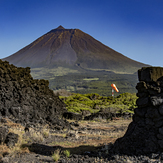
(72, 48)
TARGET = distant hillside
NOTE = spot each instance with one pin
(72, 48)
(84, 82)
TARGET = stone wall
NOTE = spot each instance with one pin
(26, 100)
(145, 132)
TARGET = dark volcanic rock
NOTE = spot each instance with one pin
(11, 139)
(3, 134)
(71, 115)
(103, 114)
(149, 74)
(145, 133)
(107, 114)
(26, 100)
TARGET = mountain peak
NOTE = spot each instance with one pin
(68, 47)
(60, 27)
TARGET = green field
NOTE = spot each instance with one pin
(84, 82)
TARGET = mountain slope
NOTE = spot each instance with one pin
(72, 47)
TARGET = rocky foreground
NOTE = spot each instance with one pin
(33, 128)
(85, 142)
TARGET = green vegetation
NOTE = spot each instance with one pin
(56, 155)
(125, 102)
(84, 82)
(66, 153)
(91, 89)
(89, 79)
(47, 73)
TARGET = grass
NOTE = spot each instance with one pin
(89, 143)
(108, 70)
(56, 155)
(18, 148)
(114, 134)
(58, 134)
(4, 150)
(51, 73)
(45, 131)
(86, 82)
(90, 79)
(64, 144)
(101, 126)
(66, 153)
(36, 136)
(23, 140)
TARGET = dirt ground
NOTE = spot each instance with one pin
(40, 143)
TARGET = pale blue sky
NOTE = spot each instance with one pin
(131, 27)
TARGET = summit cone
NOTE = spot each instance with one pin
(72, 48)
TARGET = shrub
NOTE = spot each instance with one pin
(125, 102)
(66, 153)
(45, 132)
(36, 136)
(56, 155)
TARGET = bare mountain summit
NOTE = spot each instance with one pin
(72, 47)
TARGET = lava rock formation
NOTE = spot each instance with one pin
(25, 100)
(145, 132)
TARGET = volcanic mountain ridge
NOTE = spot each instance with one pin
(72, 48)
